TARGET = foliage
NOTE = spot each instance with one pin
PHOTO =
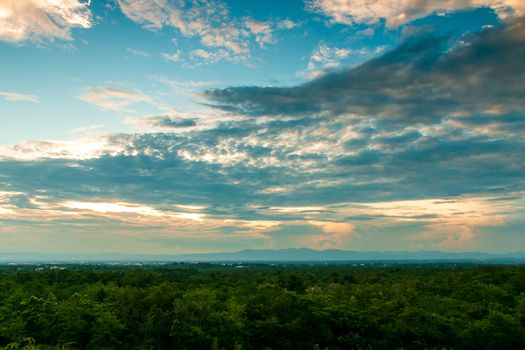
(205, 306)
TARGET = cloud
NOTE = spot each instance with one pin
(293, 234)
(425, 78)
(421, 147)
(262, 30)
(398, 13)
(336, 234)
(453, 223)
(205, 57)
(280, 182)
(287, 24)
(111, 98)
(183, 86)
(15, 97)
(210, 21)
(172, 57)
(177, 121)
(311, 165)
(225, 37)
(42, 20)
(137, 52)
(323, 58)
(83, 148)
(164, 121)
(153, 14)
(174, 123)
(118, 207)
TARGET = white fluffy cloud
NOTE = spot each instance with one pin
(399, 12)
(42, 20)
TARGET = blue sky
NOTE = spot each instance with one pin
(194, 126)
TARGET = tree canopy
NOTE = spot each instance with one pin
(206, 306)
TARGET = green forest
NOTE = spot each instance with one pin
(214, 306)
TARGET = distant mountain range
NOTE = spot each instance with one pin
(270, 255)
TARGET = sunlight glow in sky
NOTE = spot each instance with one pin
(174, 126)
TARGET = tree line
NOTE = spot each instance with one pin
(207, 306)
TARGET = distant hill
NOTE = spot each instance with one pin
(270, 255)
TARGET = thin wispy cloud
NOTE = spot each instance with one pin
(112, 98)
(16, 97)
(138, 52)
(172, 57)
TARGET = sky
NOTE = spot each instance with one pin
(181, 126)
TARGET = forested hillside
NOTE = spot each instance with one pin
(206, 306)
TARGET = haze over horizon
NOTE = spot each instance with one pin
(189, 126)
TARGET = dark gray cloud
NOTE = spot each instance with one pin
(425, 78)
(169, 122)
